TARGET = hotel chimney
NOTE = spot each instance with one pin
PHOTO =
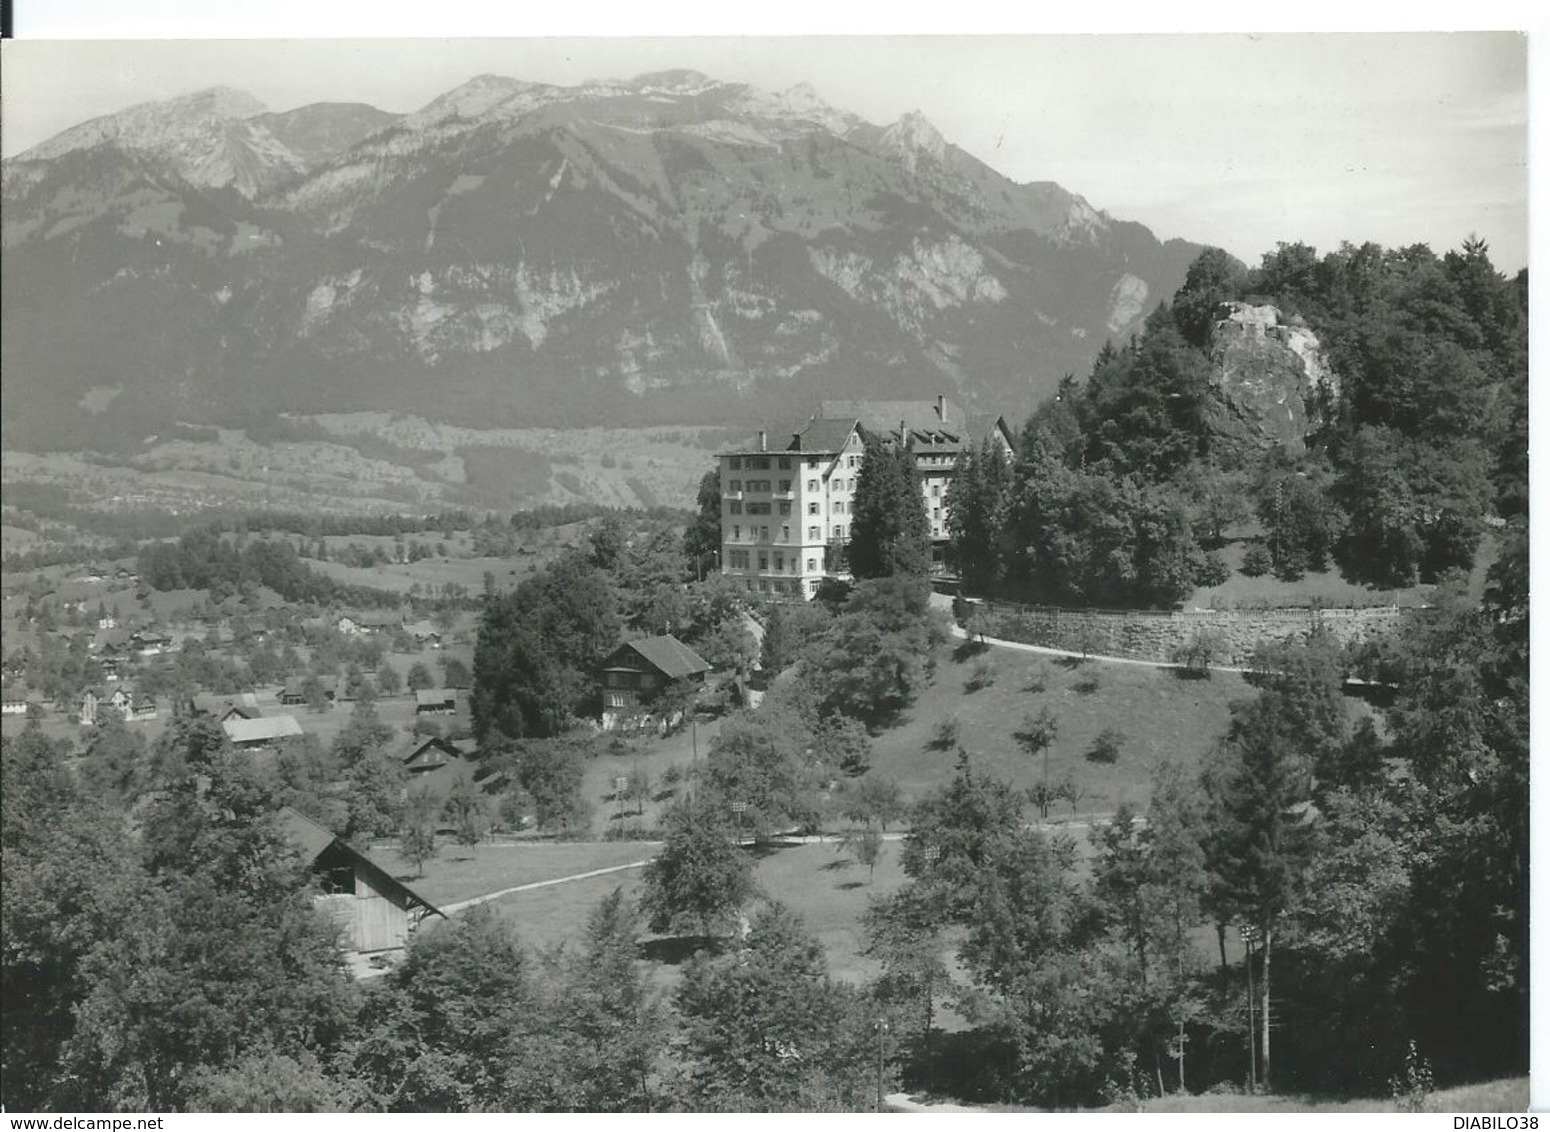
(763, 441)
(941, 407)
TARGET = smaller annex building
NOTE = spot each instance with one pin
(374, 910)
(637, 673)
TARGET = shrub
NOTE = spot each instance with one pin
(983, 676)
(1256, 561)
(1105, 748)
(945, 735)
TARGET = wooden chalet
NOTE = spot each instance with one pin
(375, 911)
(435, 701)
(241, 705)
(436, 765)
(638, 672)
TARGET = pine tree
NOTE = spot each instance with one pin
(890, 534)
(1258, 838)
(977, 505)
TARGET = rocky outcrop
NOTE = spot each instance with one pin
(1274, 380)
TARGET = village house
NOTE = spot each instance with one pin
(260, 733)
(639, 673)
(240, 705)
(150, 642)
(294, 692)
(435, 765)
(13, 699)
(94, 702)
(365, 624)
(787, 509)
(424, 632)
(435, 701)
(376, 912)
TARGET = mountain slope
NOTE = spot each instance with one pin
(670, 248)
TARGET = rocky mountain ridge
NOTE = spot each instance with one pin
(669, 248)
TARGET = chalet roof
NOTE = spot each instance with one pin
(435, 742)
(262, 729)
(210, 703)
(668, 655)
(422, 628)
(429, 697)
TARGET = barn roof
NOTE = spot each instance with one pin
(261, 729)
(313, 840)
(669, 655)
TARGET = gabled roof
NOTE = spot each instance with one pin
(210, 703)
(668, 655)
(430, 697)
(313, 840)
(884, 416)
(262, 729)
(821, 434)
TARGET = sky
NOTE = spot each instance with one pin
(1230, 139)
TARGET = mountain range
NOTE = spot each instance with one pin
(668, 249)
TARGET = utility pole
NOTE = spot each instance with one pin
(1248, 934)
(882, 1029)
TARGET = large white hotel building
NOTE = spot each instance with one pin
(786, 507)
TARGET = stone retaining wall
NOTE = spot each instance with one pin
(1142, 635)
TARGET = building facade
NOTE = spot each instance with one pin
(786, 508)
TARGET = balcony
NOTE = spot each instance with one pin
(732, 495)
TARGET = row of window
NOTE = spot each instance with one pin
(742, 560)
(762, 534)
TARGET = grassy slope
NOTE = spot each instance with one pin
(1161, 716)
(459, 873)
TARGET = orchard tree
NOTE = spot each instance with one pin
(417, 840)
(420, 677)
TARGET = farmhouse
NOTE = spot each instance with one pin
(787, 510)
(639, 672)
(242, 705)
(365, 624)
(435, 701)
(436, 765)
(374, 911)
(295, 689)
(424, 632)
(13, 700)
(149, 642)
(256, 734)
